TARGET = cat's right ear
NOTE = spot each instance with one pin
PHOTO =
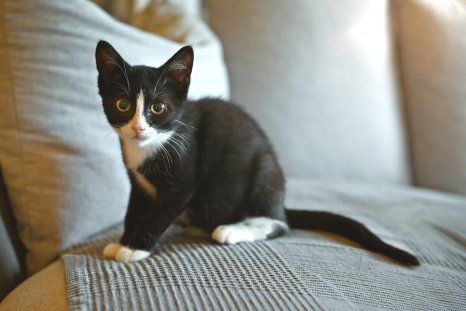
(109, 63)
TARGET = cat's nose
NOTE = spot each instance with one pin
(138, 129)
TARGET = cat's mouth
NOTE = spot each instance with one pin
(147, 137)
(139, 137)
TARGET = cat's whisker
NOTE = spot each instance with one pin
(179, 155)
(158, 80)
(168, 157)
(183, 147)
(183, 137)
(180, 135)
(179, 144)
(187, 125)
(126, 76)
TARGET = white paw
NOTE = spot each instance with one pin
(126, 254)
(123, 253)
(232, 234)
(111, 250)
(249, 230)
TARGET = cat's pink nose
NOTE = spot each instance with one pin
(138, 129)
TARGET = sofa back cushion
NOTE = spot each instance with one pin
(432, 45)
(61, 160)
(320, 78)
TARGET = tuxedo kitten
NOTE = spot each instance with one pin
(205, 163)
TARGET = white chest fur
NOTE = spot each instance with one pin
(136, 154)
(134, 158)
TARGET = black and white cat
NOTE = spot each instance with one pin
(205, 163)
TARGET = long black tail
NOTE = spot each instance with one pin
(349, 228)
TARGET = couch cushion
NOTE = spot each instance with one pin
(302, 270)
(12, 259)
(320, 78)
(432, 46)
(44, 291)
(59, 156)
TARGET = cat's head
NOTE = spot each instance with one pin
(143, 103)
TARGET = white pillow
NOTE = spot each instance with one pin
(60, 159)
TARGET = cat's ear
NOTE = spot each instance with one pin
(109, 63)
(179, 66)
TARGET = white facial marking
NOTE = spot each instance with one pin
(138, 119)
(249, 230)
(137, 147)
(139, 122)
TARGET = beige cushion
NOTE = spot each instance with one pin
(319, 76)
(61, 160)
(432, 45)
(44, 291)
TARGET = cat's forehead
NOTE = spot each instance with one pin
(141, 74)
(145, 79)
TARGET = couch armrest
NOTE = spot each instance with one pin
(45, 290)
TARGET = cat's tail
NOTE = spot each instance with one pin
(349, 228)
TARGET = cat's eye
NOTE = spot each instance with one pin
(158, 108)
(123, 105)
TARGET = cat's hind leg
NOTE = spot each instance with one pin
(249, 230)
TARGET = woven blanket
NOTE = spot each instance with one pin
(302, 270)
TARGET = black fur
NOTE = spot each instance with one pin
(228, 171)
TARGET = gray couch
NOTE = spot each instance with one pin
(364, 100)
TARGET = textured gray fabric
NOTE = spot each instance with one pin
(319, 77)
(58, 153)
(300, 271)
(190, 275)
(432, 45)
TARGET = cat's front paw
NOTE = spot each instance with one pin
(111, 250)
(232, 234)
(126, 254)
(123, 253)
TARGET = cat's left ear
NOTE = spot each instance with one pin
(180, 65)
(110, 64)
